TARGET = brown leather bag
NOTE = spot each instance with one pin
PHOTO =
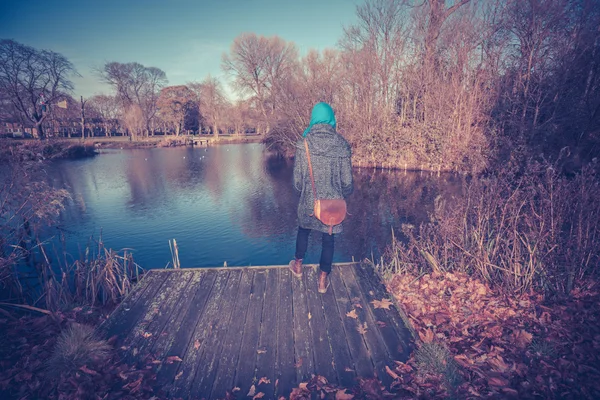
(331, 212)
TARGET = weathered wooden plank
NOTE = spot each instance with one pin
(164, 341)
(254, 267)
(343, 363)
(128, 301)
(207, 370)
(192, 358)
(395, 334)
(125, 321)
(232, 340)
(267, 344)
(323, 356)
(302, 341)
(358, 350)
(372, 335)
(285, 374)
(178, 345)
(245, 375)
(150, 326)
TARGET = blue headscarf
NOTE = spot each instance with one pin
(322, 113)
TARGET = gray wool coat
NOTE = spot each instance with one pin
(332, 169)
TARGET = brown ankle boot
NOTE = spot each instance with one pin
(323, 282)
(296, 267)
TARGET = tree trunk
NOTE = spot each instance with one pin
(40, 130)
(82, 119)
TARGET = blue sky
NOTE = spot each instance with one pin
(184, 38)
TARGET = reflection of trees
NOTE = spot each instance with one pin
(382, 200)
(156, 177)
(274, 205)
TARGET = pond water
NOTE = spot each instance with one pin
(228, 203)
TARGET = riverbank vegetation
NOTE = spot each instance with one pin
(12, 151)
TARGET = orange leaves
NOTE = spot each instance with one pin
(264, 380)
(352, 314)
(488, 334)
(391, 373)
(362, 328)
(342, 395)
(383, 303)
(426, 336)
(172, 359)
(522, 338)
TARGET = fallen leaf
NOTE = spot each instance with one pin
(156, 362)
(342, 395)
(391, 373)
(179, 375)
(357, 305)
(522, 338)
(348, 369)
(352, 314)
(264, 380)
(383, 303)
(88, 371)
(252, 391)
(146, 335)
(426, 337)
(298, 363)
(172, 359)
(135, 351)
(235, 389)
(309, 316)
(498, 381)
(196, 344)
(381, 324)
(362, 329)
(258, 395)
(303, 385)
(261, 351)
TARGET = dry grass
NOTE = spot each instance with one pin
(28, 204)
(539, 229)
(435, 359)
(77, 347)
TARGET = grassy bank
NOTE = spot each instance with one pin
(34, 150)
(500, 288)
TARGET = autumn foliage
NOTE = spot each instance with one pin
(503, 346)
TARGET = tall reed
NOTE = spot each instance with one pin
(537, 229)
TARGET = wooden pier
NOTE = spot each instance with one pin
(212, 330)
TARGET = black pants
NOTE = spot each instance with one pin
(326, 248)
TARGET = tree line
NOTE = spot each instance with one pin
(429, 84)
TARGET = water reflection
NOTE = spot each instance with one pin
(225, 203)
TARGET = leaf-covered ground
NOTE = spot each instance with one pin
(474, 343)
(500, 346)
(27, 370)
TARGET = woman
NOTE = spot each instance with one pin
(332, 170)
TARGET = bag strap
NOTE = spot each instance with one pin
(312, 179)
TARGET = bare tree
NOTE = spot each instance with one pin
(260, 66)
(212, 102)
(32, 80)
(108, 109)
(136, 84)
(173, 104)
(134, 121)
